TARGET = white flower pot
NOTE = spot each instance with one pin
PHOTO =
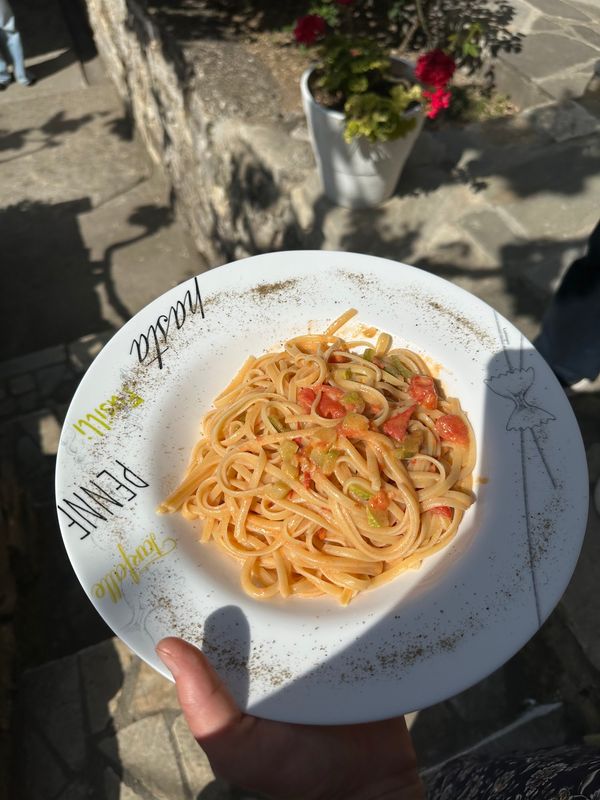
(356, 174)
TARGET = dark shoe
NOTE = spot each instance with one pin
(4, 86)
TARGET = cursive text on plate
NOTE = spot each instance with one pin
(152, 345)
(131, 564)
(101, 417)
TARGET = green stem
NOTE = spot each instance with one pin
(423, 21)
(407, 39)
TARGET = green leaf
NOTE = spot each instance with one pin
(344, 59)
(380, 119)
(329, 12)
(358, 84)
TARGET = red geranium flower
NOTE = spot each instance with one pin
(435, 68)
(437, 101)
(309, 28)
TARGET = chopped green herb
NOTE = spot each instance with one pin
(356, 491)
(287, 451)
(397, 368)
(353, 401)
(376, 518)
(291, 470)
(276, 423)
(410, 445)
(277, 490)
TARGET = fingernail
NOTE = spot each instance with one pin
(166, 657)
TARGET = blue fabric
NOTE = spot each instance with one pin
(10, 47)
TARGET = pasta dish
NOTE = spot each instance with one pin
(329, 468)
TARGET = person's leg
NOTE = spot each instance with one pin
(4, 73)
(12, 39)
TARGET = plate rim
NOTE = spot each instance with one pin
(103, 358)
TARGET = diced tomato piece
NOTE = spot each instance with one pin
(351, 433)
(337, 358)
(331, 409)
(306, 480)
(379, 501)
(306, 397)
(329, 405)
(304, 463)
(442, 511)
(452, 429)
(332, 392)
(299, 440)
(422, 389)
(397, 425)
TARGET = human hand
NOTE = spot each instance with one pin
(371, 761)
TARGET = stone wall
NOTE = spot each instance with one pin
(205, 109)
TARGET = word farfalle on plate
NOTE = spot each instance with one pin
(132, 564)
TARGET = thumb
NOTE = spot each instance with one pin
(207, 705)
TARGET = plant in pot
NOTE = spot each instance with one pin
(364, 107)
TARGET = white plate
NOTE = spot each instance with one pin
(427, 635)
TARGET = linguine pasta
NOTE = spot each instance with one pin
(329, 468)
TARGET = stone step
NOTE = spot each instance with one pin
(46, 378)
(560, 40)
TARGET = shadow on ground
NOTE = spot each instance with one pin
(52, 133)
(64, 722)
(45, 30)
(50, 279)
(544, 191)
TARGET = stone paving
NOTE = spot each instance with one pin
(101, 723)
(500, 208)
(72, 170)
(559, 55)
(86, 225)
